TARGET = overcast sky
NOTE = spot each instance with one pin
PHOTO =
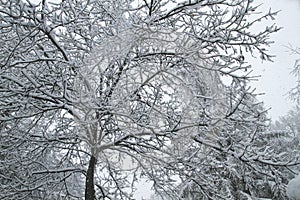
(276, 79)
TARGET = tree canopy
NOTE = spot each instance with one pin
(113, 91)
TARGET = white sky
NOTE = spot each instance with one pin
(276, 79)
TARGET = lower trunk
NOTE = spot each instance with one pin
(89, 183)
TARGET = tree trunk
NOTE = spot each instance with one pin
(89, 183)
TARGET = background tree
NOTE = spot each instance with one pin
(287, 130)
(114, 90)
(294, 93)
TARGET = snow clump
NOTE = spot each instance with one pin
(293, 188)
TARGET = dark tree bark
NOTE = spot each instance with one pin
(89, 184)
